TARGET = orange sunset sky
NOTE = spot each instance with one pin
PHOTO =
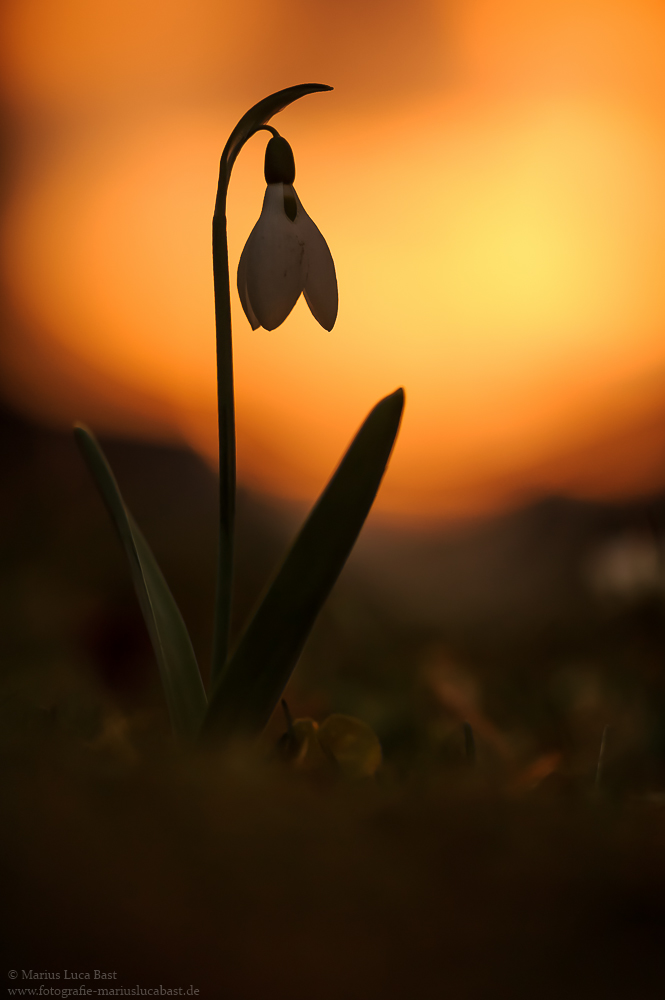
(489, 176)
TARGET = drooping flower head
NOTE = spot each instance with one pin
(285, 253)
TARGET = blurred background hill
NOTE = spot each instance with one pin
(545, 623)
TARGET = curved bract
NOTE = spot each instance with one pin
(257, 116)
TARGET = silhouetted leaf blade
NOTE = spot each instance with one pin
(263, 661)
(183, 688)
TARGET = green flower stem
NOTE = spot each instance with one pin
(227, 438)
(255, 119)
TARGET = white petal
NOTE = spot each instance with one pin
(275, 262)
(321, 280)
(242, 285)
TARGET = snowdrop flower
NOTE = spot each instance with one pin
(285, 253)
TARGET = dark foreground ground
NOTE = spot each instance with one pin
(234, 874)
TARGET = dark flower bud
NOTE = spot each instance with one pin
(280, 166)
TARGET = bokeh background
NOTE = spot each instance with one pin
(489, 177)
(488, 174)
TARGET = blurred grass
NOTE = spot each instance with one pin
(234, 873)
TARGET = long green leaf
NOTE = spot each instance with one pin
(257, 673)
(185, 695)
